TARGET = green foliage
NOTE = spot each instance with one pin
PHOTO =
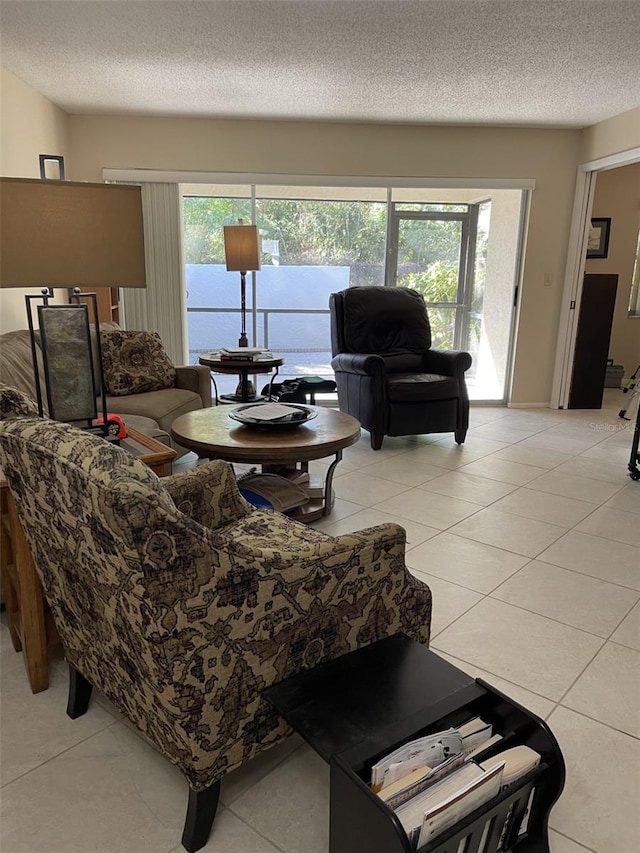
(425, 241)
(306, 231)
(438, 283)
(323, 232)
(204, 219)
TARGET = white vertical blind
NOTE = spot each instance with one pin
(160, 307)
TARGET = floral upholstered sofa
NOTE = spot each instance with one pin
(143, 386)
(181, 602)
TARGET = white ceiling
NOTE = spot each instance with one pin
(548, 63)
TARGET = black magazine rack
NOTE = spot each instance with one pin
(360, 707)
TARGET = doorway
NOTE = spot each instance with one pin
(463, 259)
(575, 269)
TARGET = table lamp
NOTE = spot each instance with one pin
(242, 254)
(56, 233)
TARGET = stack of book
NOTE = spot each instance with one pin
(432, 783)
(311, 483)
(242, 354)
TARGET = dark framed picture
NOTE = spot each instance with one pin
(598, 243)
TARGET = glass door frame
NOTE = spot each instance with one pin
(466, 266)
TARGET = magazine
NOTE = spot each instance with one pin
(430, 751)
(415, 783)
(427, 751)
(456, 805)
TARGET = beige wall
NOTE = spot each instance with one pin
(618, 196)
(617, 134)
(306, 148)
(30, 125)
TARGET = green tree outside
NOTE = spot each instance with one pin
(340, 233)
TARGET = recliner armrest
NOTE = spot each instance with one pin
(447, 362)
(195, 377)
(366, 364)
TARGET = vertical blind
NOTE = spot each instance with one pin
(160, 308)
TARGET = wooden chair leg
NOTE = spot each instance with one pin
(9, 594)
(31, 606)
(79, 693)
(201, 811)
(376, 441)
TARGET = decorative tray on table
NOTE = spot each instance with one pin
(272, 415)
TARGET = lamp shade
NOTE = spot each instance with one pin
(70, 234)
(241, 248)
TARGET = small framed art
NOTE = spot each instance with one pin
(598, 243)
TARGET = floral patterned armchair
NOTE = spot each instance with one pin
(181, 602)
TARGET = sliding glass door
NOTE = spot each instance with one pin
(315, 240)
(459, 250)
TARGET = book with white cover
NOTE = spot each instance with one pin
(518, 761)
(240, 351)
(474, 733)
(439, 816)
(485, 744)
(446, 800)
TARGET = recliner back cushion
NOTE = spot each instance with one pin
(385, 320)
(135, 362)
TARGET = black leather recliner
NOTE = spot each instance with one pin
(388, 376)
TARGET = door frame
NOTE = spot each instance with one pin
(574, 273)
(468, 230)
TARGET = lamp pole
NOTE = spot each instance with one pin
(243, 342)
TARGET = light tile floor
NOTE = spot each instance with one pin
(529, 536)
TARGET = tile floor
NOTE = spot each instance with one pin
(529, 536)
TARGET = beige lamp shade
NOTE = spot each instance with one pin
(70, 234)
(241, 248)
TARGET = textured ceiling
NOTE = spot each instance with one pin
(554, 63)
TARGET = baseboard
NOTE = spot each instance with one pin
(546, 405)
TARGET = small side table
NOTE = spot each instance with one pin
(357, 708)
(28, 616)
(242, 368)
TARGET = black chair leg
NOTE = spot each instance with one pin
(79, 693)
(376, 441)
(201, 811)
(460, 435)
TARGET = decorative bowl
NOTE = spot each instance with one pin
(293, 415)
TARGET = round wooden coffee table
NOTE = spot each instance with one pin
(213, 435)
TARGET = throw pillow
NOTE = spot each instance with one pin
(134, 362)
(15, 403)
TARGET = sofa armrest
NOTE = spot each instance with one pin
(197, 378)
(447, 362)
(366, 364)
(208, 494)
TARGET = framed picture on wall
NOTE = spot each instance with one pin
(598, 243)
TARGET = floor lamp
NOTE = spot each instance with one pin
(242, 254)
(56, 233)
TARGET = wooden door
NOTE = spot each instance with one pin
(592, 340)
